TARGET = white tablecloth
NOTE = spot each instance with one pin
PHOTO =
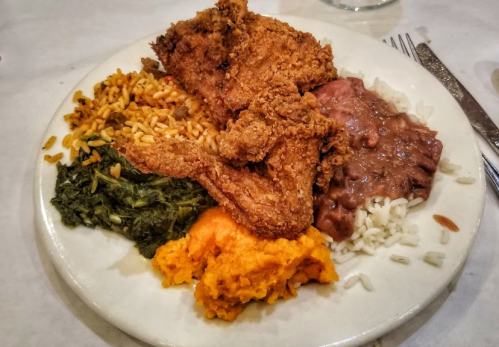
(46, 47)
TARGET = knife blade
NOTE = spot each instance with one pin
(475, 113)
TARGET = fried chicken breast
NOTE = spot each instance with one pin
(228, 55)
(254, 72)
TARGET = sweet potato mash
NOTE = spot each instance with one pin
(234, 266)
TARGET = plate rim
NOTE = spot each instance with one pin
(42, 222)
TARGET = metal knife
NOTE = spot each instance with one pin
(475, 113)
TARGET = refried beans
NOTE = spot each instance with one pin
(393, 156)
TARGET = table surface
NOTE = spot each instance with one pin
(47, 47)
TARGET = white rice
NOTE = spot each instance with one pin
(366, 282)
(433, 261)
(445, 236)
(409, 240)
(435, 254)
(414, 202)
(344, 73)
(362, 278)
(379, 222)
(327, 237)
(391, 95)
(343, 258)
(398, 99)
(423, 112)
(400, 259)
(466, 180)
(434, 258)
(447, 167)
(393, 239)
(351, 281)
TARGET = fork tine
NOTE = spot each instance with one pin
(394, 45)
(404, 48)
(492, 172)
(413, 49)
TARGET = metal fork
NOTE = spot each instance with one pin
(492, 172)
(490, 169)
(412, 53)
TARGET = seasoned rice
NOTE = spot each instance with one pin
(137, 108)
(50, 142)
(53, 158)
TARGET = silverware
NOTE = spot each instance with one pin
(475, 113)
(492, 172)
(412, 53)
(423, 55)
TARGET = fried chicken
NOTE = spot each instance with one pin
(228, 55)
(252, 72)
(273, 200)
(274, 205)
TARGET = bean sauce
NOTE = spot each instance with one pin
(393, 156)
(445, 222)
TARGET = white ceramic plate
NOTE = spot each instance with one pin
(107, 272)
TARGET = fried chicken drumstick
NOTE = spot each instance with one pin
(251, 70)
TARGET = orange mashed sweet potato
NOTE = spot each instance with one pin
(234, 266)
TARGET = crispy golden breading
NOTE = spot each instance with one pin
(274, 204)
(228, 55)
(273, 200)
(234, 266)
(252, 71)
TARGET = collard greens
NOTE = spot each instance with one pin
(146, 208)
